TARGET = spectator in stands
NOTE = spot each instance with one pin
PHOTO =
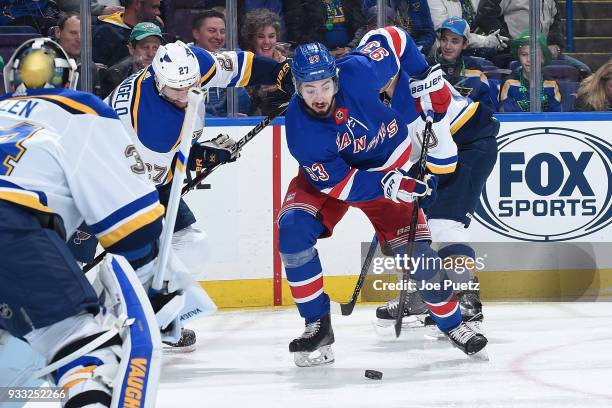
(275, 6)
(97, 9)
(260, 31)
(39, 14)
(465, 73)
(208, 30)
(412, 15)
(68, 34)
(595, 93)
(480, 45)
(143, 43)
(111, 34)
(512, 18)
(514, 94)
(331, 22)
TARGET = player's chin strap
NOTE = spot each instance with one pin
(102, 338)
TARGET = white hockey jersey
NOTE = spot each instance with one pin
(155, 124)
(66, 152)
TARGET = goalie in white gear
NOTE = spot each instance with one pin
(66, 158)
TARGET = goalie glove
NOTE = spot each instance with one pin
(221, 149)
(399, 187)
(431, 92)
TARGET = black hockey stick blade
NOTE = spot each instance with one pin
(347, 308)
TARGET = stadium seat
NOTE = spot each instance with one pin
(562, 73)
(180, 14)
(17, 30)
(10, 42)
(568, 91)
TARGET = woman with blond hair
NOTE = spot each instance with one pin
(260, 32)
(595, 93)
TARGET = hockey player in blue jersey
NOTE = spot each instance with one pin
(474, 130)
(65, 158)
(353, 150)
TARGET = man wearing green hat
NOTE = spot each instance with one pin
(143, 42)
(514, 95)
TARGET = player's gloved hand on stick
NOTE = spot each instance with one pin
(221, 149)
(398, 187)
(284, 79)
(431, 92)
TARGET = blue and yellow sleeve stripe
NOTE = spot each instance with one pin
(13, 193)
(441, 166)
(128, 219)
(245, 67)
(464, 116)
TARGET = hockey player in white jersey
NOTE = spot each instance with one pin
(151, 104)
(65, 158)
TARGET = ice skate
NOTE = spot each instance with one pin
(415, 312)
(466, 339)
(186, 344)
(313, 347)
(471, 307)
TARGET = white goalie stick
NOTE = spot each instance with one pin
(193, 122)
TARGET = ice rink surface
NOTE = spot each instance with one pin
(541, 355)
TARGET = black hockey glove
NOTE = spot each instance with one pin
(284, 79)
(221, 149)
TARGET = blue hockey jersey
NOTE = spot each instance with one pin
(347, 154)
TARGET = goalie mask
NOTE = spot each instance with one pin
(39, 63)
(176, 70)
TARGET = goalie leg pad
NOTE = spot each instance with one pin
(136, 380)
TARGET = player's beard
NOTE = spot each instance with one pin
(322, 115)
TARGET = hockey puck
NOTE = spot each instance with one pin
(373, 374)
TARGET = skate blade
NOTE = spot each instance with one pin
(482, 355)
(167, 349)
(433, 333)
(320, 357)
(385, 329)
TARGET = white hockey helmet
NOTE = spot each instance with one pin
(39, 63)
(175, 66)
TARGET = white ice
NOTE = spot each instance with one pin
(541, 355)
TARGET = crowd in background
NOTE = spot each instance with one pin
(483, 46)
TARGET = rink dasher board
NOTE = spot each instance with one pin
(551, 183)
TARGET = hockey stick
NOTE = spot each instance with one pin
(198, 179)
(239, 145)
(413, 226)
(194, 118)
(345, 309)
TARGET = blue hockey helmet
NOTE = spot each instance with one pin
(312, 62)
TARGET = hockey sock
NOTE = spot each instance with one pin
(298, 234)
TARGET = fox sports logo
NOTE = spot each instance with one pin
(549, 184)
